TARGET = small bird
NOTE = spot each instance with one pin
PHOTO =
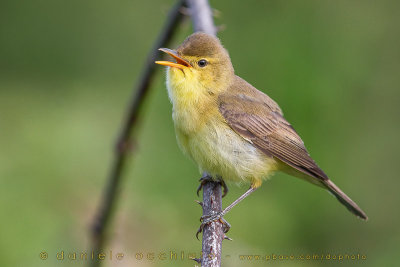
(233, 131)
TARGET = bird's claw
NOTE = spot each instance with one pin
(207, 219)
(225, 187)
(203, 180)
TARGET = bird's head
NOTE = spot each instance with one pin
(200, 59)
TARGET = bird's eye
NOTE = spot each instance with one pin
(202, 63)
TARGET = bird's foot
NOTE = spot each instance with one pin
(203, 180)
(224, 186)
(207, 219)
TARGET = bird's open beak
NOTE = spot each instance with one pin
(180, 62)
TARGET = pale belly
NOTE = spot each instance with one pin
(219, 151)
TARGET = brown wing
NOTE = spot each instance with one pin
(258, 119)
(255, 120)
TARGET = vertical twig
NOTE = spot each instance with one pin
(201, 15)
(212, 200)
(213, 233)
(123, 145)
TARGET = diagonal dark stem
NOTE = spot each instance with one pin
(123, 145)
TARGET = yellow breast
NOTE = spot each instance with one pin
(204, 136)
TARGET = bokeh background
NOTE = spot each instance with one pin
(67, 70)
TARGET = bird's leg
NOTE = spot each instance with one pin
(234, 203)
(219, 216)
(203, 180)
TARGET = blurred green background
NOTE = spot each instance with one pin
(67, 69)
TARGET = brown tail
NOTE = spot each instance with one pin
(344, 199)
